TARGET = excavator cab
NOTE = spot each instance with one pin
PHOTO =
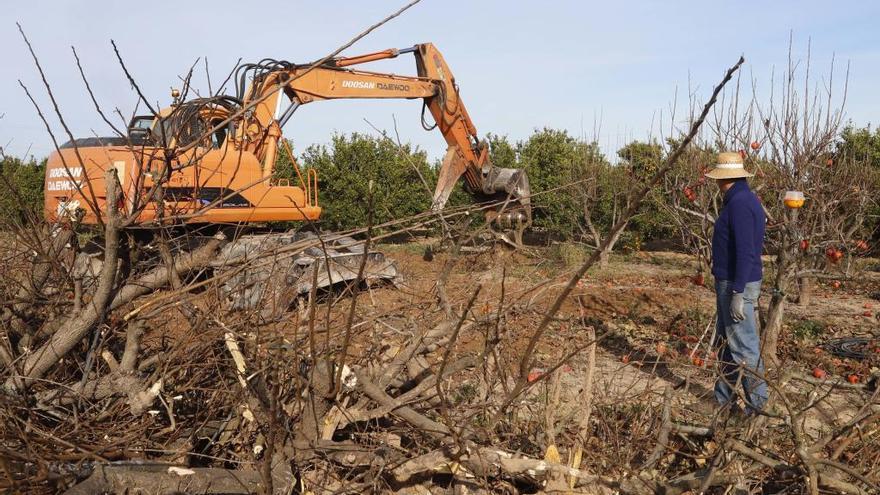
(183, 125)
(140, 129)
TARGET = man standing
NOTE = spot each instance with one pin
(737, 244)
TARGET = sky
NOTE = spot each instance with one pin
(597, 69)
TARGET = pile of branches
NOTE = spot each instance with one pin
(143, 379)
(109, 384)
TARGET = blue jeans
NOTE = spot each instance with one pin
(740, 356)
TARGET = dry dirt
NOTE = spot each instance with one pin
(652, 315)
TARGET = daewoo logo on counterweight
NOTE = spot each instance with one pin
(373, 85)
(69, 178)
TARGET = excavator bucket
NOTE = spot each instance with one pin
(494, 182)
(515, 183)
(510, 186)
(514, 214)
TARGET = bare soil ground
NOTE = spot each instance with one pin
(654, 322)
(648, 297)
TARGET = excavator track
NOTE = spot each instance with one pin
(270, 271)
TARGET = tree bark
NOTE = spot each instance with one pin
(605, 253)
(63, 340)
(106, 297)
(34, 283)
(773, 328)
(805, 293)
(586, 397)
(781, 282)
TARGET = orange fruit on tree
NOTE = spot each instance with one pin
(756, 145)
(819, 372)
(853, 379)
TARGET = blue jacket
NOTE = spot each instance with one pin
(738, 240)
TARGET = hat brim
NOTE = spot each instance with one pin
(728, 173)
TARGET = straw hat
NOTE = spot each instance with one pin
(730, 166)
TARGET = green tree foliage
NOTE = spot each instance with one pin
(553, 160)
(642, 160)
(284, 163)
(501, 151)
(862, 146)
(345, 169)
(579, 194)
(605, 187)
(21, 189)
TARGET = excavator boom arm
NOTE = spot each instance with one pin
(466, 155)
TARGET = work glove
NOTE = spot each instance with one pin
(737, 307)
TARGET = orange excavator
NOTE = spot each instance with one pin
(214, 158)
(211, 161)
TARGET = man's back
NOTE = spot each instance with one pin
(738, 239)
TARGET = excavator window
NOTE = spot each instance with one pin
(139, 129)
(219, 135)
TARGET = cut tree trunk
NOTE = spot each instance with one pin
(161, 479)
